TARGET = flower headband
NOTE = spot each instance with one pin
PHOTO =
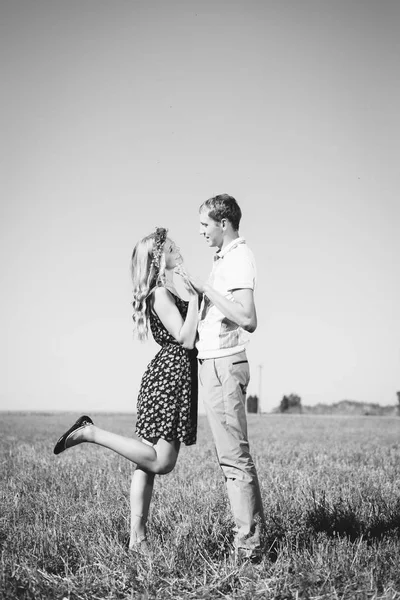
(159, 241)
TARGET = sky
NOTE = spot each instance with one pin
(121, 116)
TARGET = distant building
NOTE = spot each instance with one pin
(252, 404)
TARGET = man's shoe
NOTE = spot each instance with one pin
(80, 424)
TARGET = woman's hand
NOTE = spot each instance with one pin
(180, 270)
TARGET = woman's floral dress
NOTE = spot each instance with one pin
(167, 401)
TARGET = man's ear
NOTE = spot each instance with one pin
(224, 223)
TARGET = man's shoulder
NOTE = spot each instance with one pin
(241, 252)
(239, 268)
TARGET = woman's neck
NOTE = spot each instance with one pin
(169, 281)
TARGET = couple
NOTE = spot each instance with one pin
(167, 402)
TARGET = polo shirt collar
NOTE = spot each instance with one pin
(230, 246)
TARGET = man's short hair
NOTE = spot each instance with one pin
(221, 207)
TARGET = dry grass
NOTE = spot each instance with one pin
(330, 487)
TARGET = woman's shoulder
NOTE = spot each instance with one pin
(163, 294)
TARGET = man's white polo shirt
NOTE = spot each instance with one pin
(234, 268)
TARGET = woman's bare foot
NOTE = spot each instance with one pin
(137, 540)
(139, 546)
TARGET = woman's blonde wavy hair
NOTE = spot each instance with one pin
(148, 272)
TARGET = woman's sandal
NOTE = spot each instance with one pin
(80, 424)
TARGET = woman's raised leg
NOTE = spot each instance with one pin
(158, 459)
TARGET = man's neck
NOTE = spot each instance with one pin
(228, 238)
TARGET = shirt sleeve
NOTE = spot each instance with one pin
(240, 271)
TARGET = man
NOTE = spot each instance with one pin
(227, 313)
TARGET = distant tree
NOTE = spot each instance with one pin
(284, 404)
(291, 403)
(398, 400)
(252, 404)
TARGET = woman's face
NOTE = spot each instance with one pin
(172, 255)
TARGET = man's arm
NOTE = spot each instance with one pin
(241, 311)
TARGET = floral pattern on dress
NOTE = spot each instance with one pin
(167, 401)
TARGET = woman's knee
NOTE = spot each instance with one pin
(167, 455)
(165, 466)
(140, 474)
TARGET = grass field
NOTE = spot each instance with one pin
(331, 492)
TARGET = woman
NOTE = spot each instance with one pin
(167, 402)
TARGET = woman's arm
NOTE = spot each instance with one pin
(184, 331)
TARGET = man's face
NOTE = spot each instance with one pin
(211, 230)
